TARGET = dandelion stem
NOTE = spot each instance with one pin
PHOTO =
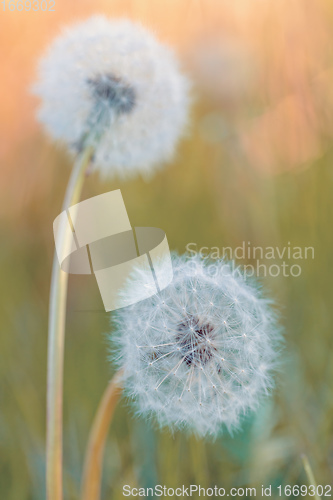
(310, 475)
(56, 338)
(92, 472)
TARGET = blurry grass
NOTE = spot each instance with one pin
(213, 198)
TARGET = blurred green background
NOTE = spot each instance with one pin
(256, 166)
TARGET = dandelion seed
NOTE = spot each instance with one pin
(218, 377)
(111, 84)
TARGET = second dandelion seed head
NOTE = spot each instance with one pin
(199, 355)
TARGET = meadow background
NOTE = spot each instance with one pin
(256, 165)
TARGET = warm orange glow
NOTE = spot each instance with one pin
(288, 43)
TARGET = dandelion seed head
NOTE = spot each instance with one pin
(113, 84)
(211, 365)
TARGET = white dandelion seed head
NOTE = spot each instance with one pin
(200, 353)
(111, 82)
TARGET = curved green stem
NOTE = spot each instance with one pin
(93, 463)
(56, 342)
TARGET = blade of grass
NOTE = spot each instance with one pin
(310, 475)
(93, 464)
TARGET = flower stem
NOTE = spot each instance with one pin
(92, 472)
(56, 338)
(310, 475)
